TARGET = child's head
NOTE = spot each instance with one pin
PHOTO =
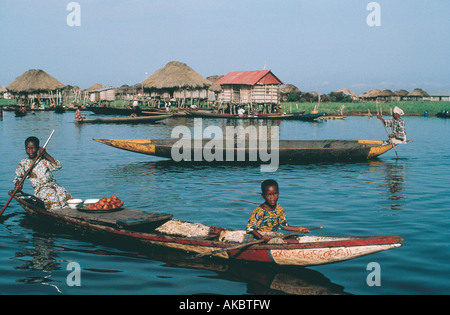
(270, 191)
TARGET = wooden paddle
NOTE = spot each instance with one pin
(36, 159)
(246, 244)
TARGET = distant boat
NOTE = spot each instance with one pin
(20, 113)
(123, 120)
(307, 116)
(443, 114)
(60, 110)
(208, 114)
(114, 110)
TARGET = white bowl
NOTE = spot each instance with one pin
(73, 203)
(91, 201)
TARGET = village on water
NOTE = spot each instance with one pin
(176, 87)
(175, 91)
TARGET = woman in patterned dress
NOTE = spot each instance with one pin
(41, 178)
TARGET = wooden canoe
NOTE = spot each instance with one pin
(443, 114)
(102, 110)
(162, 230)
(289, 151)
(207, 114)
(123, 120)
(307, 116)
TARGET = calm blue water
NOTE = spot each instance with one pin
(407, 197)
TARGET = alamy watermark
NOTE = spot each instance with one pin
(74, 17)
(235, 144)
(374, 277)
(73, 279)
(374, 17)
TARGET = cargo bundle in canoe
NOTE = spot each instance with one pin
(123, 120)
(289, 151)
(158, 229)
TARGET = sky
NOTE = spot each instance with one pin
(316, 45)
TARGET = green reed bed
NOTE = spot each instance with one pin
(354, 108)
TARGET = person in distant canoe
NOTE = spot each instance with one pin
(397, 124)
(270, 216)
(41, 178)
(78, 115)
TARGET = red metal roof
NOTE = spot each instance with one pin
(250, 78)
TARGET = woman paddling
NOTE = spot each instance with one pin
(41, 178)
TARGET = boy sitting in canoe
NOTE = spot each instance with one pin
(45, 186)
(270, 216)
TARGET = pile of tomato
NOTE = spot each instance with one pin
(106, 204)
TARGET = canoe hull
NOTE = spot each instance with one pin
(204, 114)
(288, 151)
(301, 251)
(123, 120)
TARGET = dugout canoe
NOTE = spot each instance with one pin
(207, 114)
(123, 120)
(105, 110)
(148, 228)
(443, 114)
(307, 116)
(289, 151)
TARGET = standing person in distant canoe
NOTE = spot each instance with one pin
(397, 124)
(41, 178)
(270, 216)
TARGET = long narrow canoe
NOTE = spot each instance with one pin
(113, 110)
(123, 120)
(154, 229)
(307, 116)
(289, 151)
(207, 114)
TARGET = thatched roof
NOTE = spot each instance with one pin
(386, 93)
(213, 79)
(34, 81)
(96, 86)
(401, 93)
(418, 92)
(371, 93)
(347, 91)
(289, 88)
(176, 75)
(2, 89)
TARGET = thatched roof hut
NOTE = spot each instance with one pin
(176, 75)
(96, 86)
(176, 82)
(34, 81)
(419, 93)
(401, 93)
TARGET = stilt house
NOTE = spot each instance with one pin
(259, 87)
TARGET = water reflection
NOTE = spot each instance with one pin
(259, 278)
(394, 180)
